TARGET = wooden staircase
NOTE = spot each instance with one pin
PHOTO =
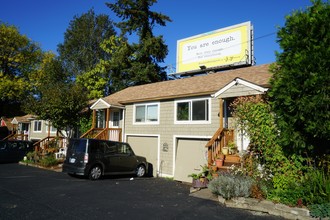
(230, 160)
(220, 139)
(45, 143)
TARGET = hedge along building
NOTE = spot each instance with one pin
(171, 122)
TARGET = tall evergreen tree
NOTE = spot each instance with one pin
(81, 50)
(150, 50)
(300, 91)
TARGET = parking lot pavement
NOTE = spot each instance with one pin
(33, 193)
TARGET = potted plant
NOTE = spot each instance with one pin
(225, 150)
(232, 147)
(219, 160)
(201, 180)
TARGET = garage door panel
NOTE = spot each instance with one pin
(146, 147)
(190, 156)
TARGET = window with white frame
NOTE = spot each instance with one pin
(52, 128)
(146, 113)
(37, 126)
(115, 118)
(195, 110)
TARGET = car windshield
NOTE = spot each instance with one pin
(78, 145)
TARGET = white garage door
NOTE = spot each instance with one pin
(146, 147)
(191, 154)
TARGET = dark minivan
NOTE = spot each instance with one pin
(94, 158)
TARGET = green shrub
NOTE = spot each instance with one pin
(32, 156)
(316, 187)
(48, 161)
(229, 186)
(320, 210)
(312, 188)
(290, 193)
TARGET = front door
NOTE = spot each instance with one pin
(114, 119)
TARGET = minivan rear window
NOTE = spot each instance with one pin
(78, 145)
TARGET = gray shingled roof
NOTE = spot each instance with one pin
(188, 87)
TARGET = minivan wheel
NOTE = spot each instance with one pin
(95, 173)
(140, 171)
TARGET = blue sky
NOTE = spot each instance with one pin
(45, 21)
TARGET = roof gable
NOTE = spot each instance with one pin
(14, 121)
(100, 104)
(254, 89)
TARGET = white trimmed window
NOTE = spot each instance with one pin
(37, 125)
(146, 113)
(52, 128)
(192, 111)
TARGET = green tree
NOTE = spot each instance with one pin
(150, 50)
(81, 50)
(254, 116)
(300, 93)
(19, 60)
(57, 98)
(109, 75)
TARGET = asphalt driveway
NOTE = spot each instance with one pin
(33, 193)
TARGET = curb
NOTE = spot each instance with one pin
(57, 168)
(266, 206)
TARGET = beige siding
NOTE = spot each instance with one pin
(239, 90)
(167, 130)
(38, 135)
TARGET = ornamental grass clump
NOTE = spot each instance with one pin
(48, 161)
(229, 186)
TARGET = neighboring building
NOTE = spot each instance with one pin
(6, 127)
(170, 122)
(22, 125)
(28, 127)
(41, 129)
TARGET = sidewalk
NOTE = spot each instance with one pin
(203, 194)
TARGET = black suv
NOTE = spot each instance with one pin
(94, 158)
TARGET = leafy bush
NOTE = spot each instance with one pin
(206, 172)
(320, 210)
(32, 156)
(312, 188)
(289, 194)
(48, 161)
(229, 186)
(316, 185)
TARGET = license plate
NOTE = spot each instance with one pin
(72, 160)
